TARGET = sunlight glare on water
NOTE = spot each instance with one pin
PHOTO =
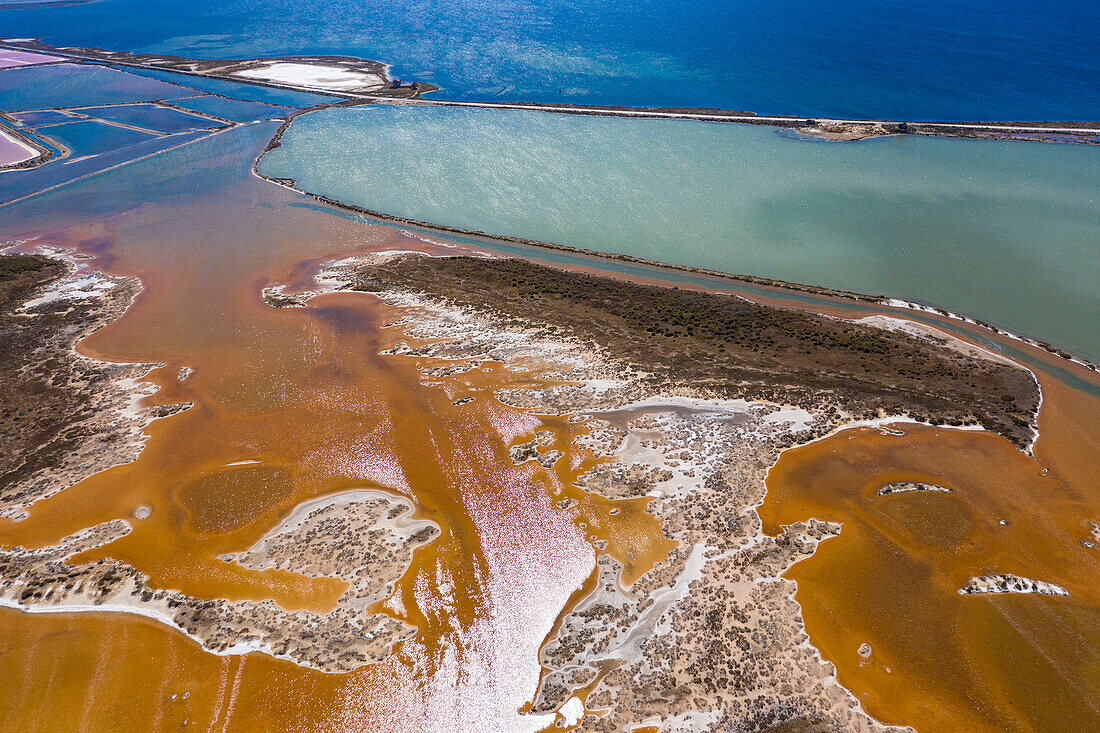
(534, 557)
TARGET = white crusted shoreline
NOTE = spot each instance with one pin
(702, 462)
(365, 537)
(665, 451)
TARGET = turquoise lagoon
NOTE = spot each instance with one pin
(1004, 231)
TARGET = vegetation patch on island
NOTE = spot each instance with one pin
(64, 416)
(733, 347)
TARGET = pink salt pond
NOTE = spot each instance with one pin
(9, 58)
(13, 150)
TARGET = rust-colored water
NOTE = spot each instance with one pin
(305, 394)
(940, 660)
(291, 404)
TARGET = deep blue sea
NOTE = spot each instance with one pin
(933, 59)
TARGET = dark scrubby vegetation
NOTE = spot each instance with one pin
(16, 264)
(730, 347)
(20, 274)
(45, 389)
(32, 411)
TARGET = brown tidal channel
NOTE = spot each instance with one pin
(941, 661)
(292, 404)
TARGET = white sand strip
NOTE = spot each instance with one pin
(137, 608)
(311, 76)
